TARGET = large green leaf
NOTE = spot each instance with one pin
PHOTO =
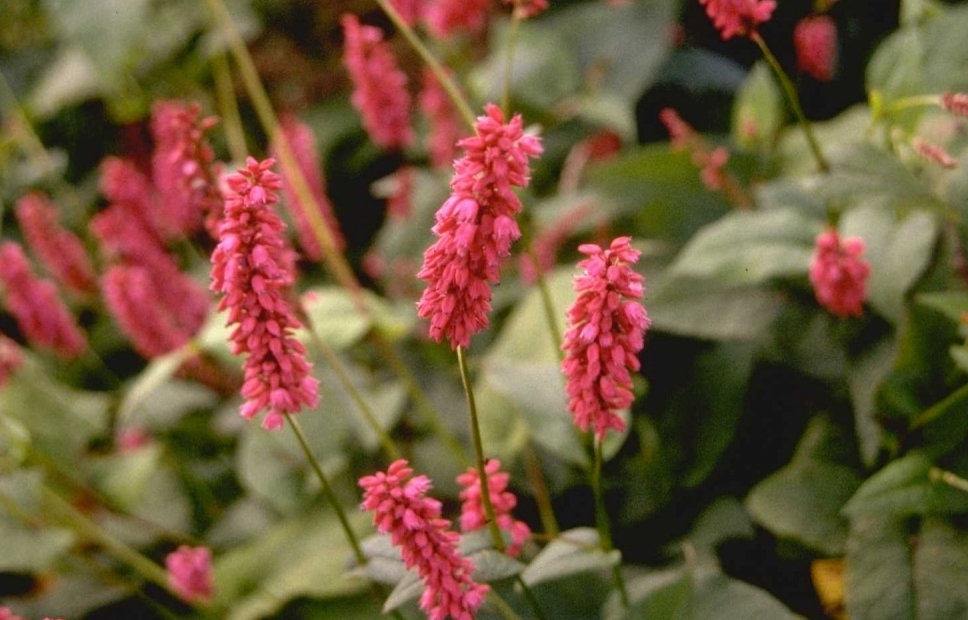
(863, 378)
(572, 552)
(904, 488)
(27, 548)
(757, 109)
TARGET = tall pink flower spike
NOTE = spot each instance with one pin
(815, 41)
(426, 542)
(379, 86)
(37, 306)
(472, 514)
(839, 273)
(607, 330)
(476, 227)
(61, 251)
(738, 17)
(190, 573)
(252, 267)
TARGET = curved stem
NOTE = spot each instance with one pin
(228, 107)
(328, 491)
(601, 518)
(445, 79)
(513, 29)
(479, 452)
(546, 512)
(791, 94)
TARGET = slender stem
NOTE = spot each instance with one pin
(532, 599)
(513, 29)
(915, 101)
(442, 75)
(228, 107)
(791, 94)
(502, 606)
(532, 468)
(95, 533)
(334, 362)
(479, 451)
(548, 305)
(949, 478)
(335, 261)
(328, 491)
(601, 518)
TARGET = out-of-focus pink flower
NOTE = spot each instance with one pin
(446, 17)
(379, 86)
(183, 167)
(123, 184)
(401, 509)
(681, 133)
(410, 10)
(607, 330)
(839, 273)
(524, 9)
(933, 152)
(6, 614)
(472, 513)
(398, 204)
(738, 17)
(546, 243)
(60, 251)
(10, 359)
(956, 103)
(302, 143)
(190, 573)
(476, 227)
(445, 122)
(711, 167)
(37, 306)
(815, 41)
(683, 137)
(251, 267)
(131, 439)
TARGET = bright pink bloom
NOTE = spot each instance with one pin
(190, 573)
(445, 17)
(122, 183)
(472, 514)
(6, 614)
(10, 359)
(956, 103)
(445, 123)
(815, 41)
(711, 167)
(839, 274)
(476, 227)
(135, 301)
(379, 86)
(37, 306)
(252, 268)
(528, 8)
(607, 330)
(933, 152)
(410, 10)
(302, 143)
(60, 250)
(413, 521)
(184, 169)
(738, 17)
(681, 134)
(131, 439)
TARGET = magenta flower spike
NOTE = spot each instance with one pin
(815, 42)
(472, 514)
(956, 103)
(475, 227)
(839, 273)
(37, 306)
(60, 251)
(252, 268)
(606, 331)
(738, 17)
(401, 509)
(445, 18)
(190, 573)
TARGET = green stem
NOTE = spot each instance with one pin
(791, 95)
(513, 29)
(328, 491)
(479, 451)
(228, 107)
(532, 467)
(949, 478)
(502, 606)
(548, 305)
(445, 79)
(601, 518)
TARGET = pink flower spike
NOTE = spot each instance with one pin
(190, 573)
(252, 267)
(410, 10)
(933, 152)
(738, 17)
(11, 357)
(815, 41)
(525, 9)
(475, 227)
(60, 251)
(445, 123)
(6, 614)
(607, 330)
(447, 17)
(413, 521)
(956, 103)
(472, 514)
(302, 143)
(379, 86)
(37, 306)
(839, 273)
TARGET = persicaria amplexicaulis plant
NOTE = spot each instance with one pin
(839, 273)
(190, 573)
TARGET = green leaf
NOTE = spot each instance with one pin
(572, 552)
(903, 488)
(491, 565)
(898, 251)
(158, 372)
(26, 548)
(337, 321)
(803, 500)
(863, 378)
(952, 304)
(724, 519)
(940, 564)
(744, 248)
(124, 478)
(757, 109)
(408, 589)
(878, 574)
(665, 595)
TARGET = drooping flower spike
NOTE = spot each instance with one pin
(606, 331)
(738, 17)
(472, 514)
(401, 509)
(476, 227)
(934, 153)
(839, 273)
(252, 266)
(815, 42)
(60, 251)
(190, 573)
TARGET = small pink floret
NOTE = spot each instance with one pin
(472, 514)
(738, 17)
(815, 41)
(839, 273)
(190, 573)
